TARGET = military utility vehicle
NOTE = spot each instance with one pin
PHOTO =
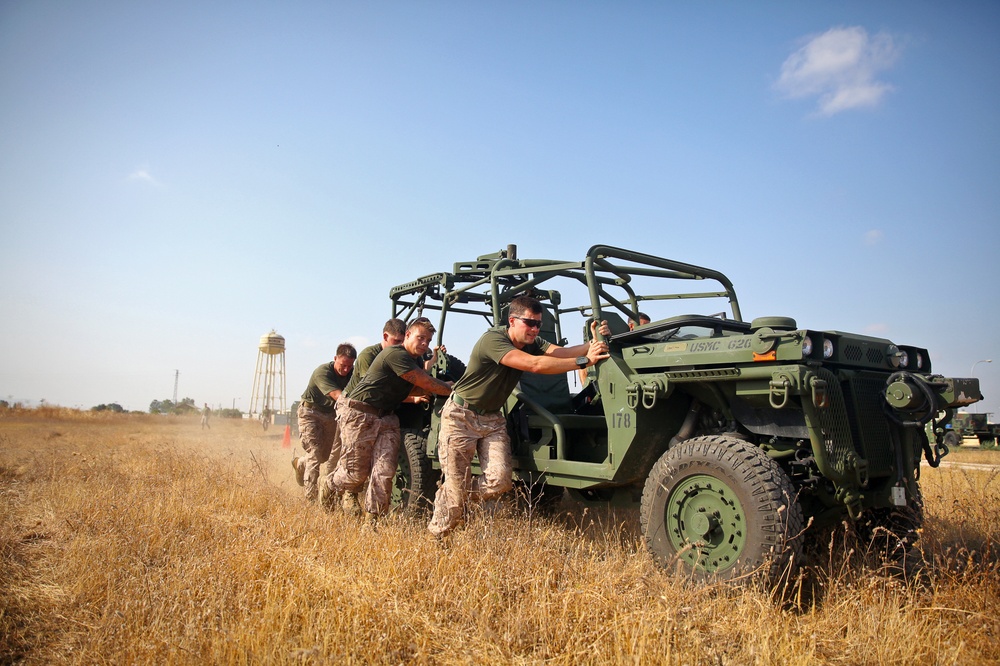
(738, 438)
(976, 425)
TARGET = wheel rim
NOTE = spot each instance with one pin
(705, 523)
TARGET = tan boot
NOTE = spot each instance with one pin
(350, 504)
(329, 498)
(300, 472)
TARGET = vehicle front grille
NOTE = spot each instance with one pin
(869, 423)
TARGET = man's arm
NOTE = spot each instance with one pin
(335, 394)
(553, 364)
(418, 377)
(581, 349)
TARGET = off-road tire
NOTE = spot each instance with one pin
(449, 368)
(416, 479)
(952, 439)
(719, 509)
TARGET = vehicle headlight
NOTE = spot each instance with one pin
(807, 346)
(827, 348)
(920, 361)
(894, 355)
(904, 358)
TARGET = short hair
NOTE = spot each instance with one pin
(347, 349)
(643, 315)
(394, 327)
(525, 304)
(422, 322)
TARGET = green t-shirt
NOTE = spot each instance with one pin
(487, 383)
(324, 379)
(361, 365)
(383, 386)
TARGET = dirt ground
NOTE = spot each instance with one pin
(271, 450)
(241, 440)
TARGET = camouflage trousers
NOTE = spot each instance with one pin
(320, 438)
(464, 433)
(370, 450)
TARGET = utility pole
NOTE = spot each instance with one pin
(177, 375)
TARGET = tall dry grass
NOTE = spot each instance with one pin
(129, 539)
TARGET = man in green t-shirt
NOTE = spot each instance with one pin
(392, 334)
(368, 426)
(318, 420)
(471, 421)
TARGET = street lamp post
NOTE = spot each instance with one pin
(985, 360)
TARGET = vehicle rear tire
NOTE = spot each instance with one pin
(416, 479)
(449, 368)
(722, 509)
(952, 439)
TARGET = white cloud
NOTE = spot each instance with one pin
(873, 237)
(879, 328)
(839, 68)
(143, 175)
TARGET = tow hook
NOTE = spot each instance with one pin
(779, 389)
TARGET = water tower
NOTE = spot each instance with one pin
(268, 395)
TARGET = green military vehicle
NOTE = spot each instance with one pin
(737, 438)
(972, 424)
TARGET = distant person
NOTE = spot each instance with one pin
(318, 419)
(643, 320)
(205, 414)
(471, 421)
(369, 427)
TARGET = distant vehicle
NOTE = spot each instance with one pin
(966, 424)
(735, 437)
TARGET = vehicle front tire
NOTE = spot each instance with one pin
(723, 510)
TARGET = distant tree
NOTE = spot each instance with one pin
(4, 404)
(161, 407)
(185, 406)
(228, 413)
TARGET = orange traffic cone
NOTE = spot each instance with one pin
(286, 442)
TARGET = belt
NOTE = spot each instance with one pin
(316, 408)
(366, 408)
(460, 401)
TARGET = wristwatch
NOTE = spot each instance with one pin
(582, 362)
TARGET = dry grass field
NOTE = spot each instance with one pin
(140, 539)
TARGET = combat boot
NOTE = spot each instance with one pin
(300, 472)
(329, 498)
(350, 504)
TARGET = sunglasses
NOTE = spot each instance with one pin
(530, 323)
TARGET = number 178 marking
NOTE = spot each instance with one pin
(621, 420)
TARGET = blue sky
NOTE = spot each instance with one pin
(177, 179)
